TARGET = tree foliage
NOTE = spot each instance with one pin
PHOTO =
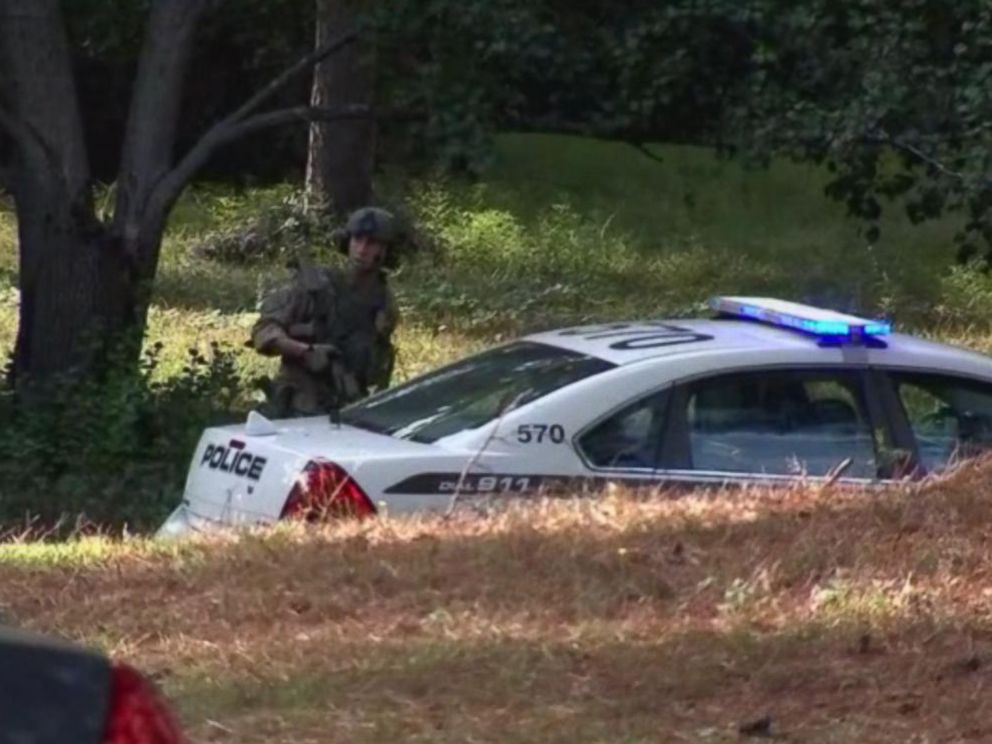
(891, 96)
(654, 72)
(894, 97)
(459, 70)
(237, 50)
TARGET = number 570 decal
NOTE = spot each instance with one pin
(538, 433)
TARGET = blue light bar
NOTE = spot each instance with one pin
(806, 318)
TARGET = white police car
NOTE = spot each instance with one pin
(766, 391)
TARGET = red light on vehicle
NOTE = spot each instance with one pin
(324, 492)
(137, 713)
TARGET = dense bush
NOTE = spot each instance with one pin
(282, 228)
(966, 294)
(277, 231)
(493, 271)
(111, 451)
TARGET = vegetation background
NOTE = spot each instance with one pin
(833, 153)
(560, 230)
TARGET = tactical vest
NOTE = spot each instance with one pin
(344, 315)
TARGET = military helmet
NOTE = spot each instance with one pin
(373, 222)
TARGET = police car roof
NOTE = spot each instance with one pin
(634, 341)
(630, 342)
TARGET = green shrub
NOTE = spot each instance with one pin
(494, 272)
(277, 231)
(111, 451)
(966, 295)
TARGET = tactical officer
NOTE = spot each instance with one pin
(333, 327)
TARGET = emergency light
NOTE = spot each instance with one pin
(828, 325)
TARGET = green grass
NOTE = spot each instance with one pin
(779, 216)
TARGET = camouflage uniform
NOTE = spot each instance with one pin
(354, 312)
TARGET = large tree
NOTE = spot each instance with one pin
(84, 277)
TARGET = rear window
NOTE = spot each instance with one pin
(472, 392)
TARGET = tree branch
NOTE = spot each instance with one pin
(42, 111)
(154, 112)
(237, 124)
(169, 188)
(295, 114)
(280, 81)
(884, 138)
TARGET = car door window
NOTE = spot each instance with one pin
(950, 418)
(780, 423)
(629, 439)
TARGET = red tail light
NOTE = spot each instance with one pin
(326, 491)
(137, 713)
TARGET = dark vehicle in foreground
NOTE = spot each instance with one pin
(52, 692)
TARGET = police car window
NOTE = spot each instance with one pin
(780, 423)
(472, 392)
(950, 418)
(629, 439)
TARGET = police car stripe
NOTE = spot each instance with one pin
(434, 483)
(429, 484)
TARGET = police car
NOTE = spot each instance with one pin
(766, 391)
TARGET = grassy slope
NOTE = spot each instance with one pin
(844, 616)
(779, 215)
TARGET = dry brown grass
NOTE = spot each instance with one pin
(845, 616)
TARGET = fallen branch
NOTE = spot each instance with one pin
(642, 148)
(283, 78)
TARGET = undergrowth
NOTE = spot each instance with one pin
(85, 454)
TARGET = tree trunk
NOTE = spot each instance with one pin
(76, 295)
(341, 154)
(84, 285)
(65, 278)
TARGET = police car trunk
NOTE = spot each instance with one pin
(259, 473)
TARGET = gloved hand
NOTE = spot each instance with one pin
(318, 357)
(344, 382)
